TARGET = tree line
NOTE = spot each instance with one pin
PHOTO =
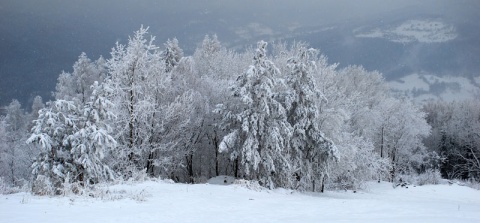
(278, 114)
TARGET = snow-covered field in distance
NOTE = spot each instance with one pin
(424, 87)
(168, 202)
(422, 30)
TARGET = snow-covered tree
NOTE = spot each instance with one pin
(12, 125)
(15, 156)
(92, 138)
(262, 133)
(146, 110)
(207, 56)
(136, 77)
(311, 151)
(216, 69)
(455, 137)
(351, 120)
(72, 141)
(358, 163)
(182, 133)
(172, 54)
(55, 124)
(37, 105)
(402, 130)
(75, 86)
(465, 127)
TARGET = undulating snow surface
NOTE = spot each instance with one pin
(168, 202)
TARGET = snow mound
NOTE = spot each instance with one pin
(221, 180)
(229, 180)
(251, 185)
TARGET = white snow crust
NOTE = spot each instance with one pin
(168, 202)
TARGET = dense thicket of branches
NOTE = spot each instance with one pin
(285, 119)
(455, 137)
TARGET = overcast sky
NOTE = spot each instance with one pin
(173, 18)
(39, 38)
(120, 15)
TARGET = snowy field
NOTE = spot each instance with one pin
(168, 202)
(423, 31)
(451, 88)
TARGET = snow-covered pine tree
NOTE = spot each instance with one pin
(73, 142)
(263, 132)
(311, 151)
(55, 124)
(93, 139)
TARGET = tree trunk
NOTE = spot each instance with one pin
(393, 166)
(150, 166)
(131, 121)
(215, 145)
(381, 145)
(131, 107)
(235, 167)
(381, 151)
(189, 159)
(322, 187)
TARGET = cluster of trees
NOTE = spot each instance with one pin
(286, 119)
(455, 137)
(16, 156)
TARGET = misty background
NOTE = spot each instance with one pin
(39, 39)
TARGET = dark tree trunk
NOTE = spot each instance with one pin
(393, 166)
(322, 188)
(381, 145)
(150, 166)
(215, 145)
(235, 167)
(189, 159)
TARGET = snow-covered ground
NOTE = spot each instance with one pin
(168, 202)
